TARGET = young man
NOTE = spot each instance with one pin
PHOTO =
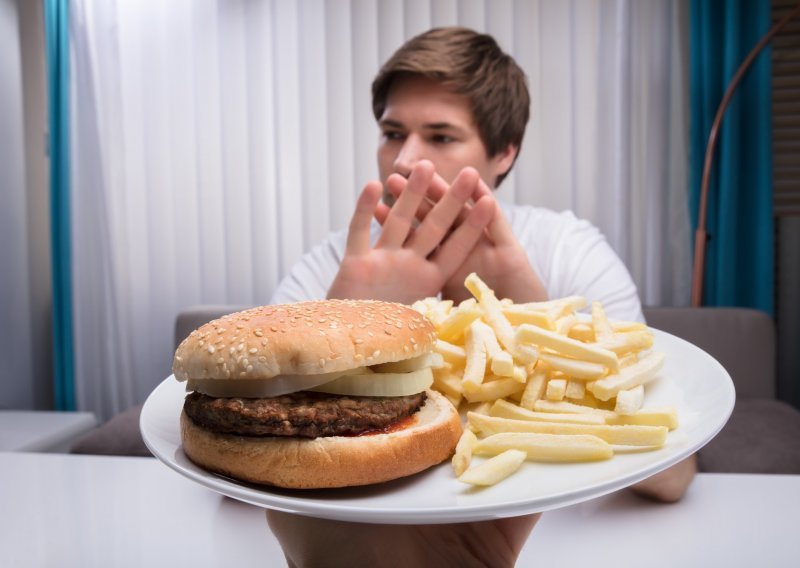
(452, 109)
(451, 102)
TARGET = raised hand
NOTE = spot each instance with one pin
(497, 257)
(412, 259)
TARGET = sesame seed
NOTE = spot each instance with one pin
(258, 333)
(240, 347)
(322, 361)
(357, 341)
(376, 353)
(253, 350)
(220, 361)
(211, 349)
(249, 368)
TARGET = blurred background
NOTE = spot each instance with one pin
(157, 155)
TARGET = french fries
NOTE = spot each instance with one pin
(542, 384)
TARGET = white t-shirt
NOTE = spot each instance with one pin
(570, 256)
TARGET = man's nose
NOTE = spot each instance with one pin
(410, 153)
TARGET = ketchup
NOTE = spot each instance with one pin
(401, 424)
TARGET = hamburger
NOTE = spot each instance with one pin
(319, 394)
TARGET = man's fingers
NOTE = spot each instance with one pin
(451, 255)
(358, 235)
(441, 219)
(398, 223)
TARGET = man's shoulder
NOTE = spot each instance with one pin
(541, 219)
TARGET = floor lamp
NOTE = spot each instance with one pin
(701, 235)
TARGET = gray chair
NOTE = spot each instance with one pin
(762, 434)
(760, 437)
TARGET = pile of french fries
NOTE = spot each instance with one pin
(539, 383)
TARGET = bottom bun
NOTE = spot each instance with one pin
(335, 461)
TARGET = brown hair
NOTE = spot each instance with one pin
(470, 64)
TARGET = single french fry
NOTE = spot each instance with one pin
(517, 314)
(569, 407)
(627, 342)
(475, 347)
(623, 326)
(575, 368)
(556, 389)
(453, 354)
(503, 364)
(504, 409)
(494, 389)
(648, 417)
(495, 469)
(452, 327)
(463, 454)
(629, 401)
(546, 447)
(639, 373)
(626, 435)
(576, 390)
(531, 334)
(600, 324)
(582, 331)
(535, 387)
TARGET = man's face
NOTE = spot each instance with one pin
(423, 120)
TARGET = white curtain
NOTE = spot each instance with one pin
(215, 141)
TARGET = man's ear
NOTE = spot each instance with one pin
(505, 159)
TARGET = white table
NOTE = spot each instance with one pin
(68, 510)
(42, 430)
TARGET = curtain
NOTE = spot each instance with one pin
(217, 141)
(739, 269)
(56, 15)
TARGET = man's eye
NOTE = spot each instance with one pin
(393, 135)
(442, 139)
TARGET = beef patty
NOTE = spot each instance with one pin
(303, 414)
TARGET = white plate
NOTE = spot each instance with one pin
(691, 381)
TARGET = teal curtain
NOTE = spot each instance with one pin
(739, 258)
(56, 15)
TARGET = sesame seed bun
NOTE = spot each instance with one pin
(333, 461)
(313, 338)
(303, 339)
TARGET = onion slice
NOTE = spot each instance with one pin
(379, 384)
(408, 365)
(265, 388)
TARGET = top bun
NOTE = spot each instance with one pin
(305, 338)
